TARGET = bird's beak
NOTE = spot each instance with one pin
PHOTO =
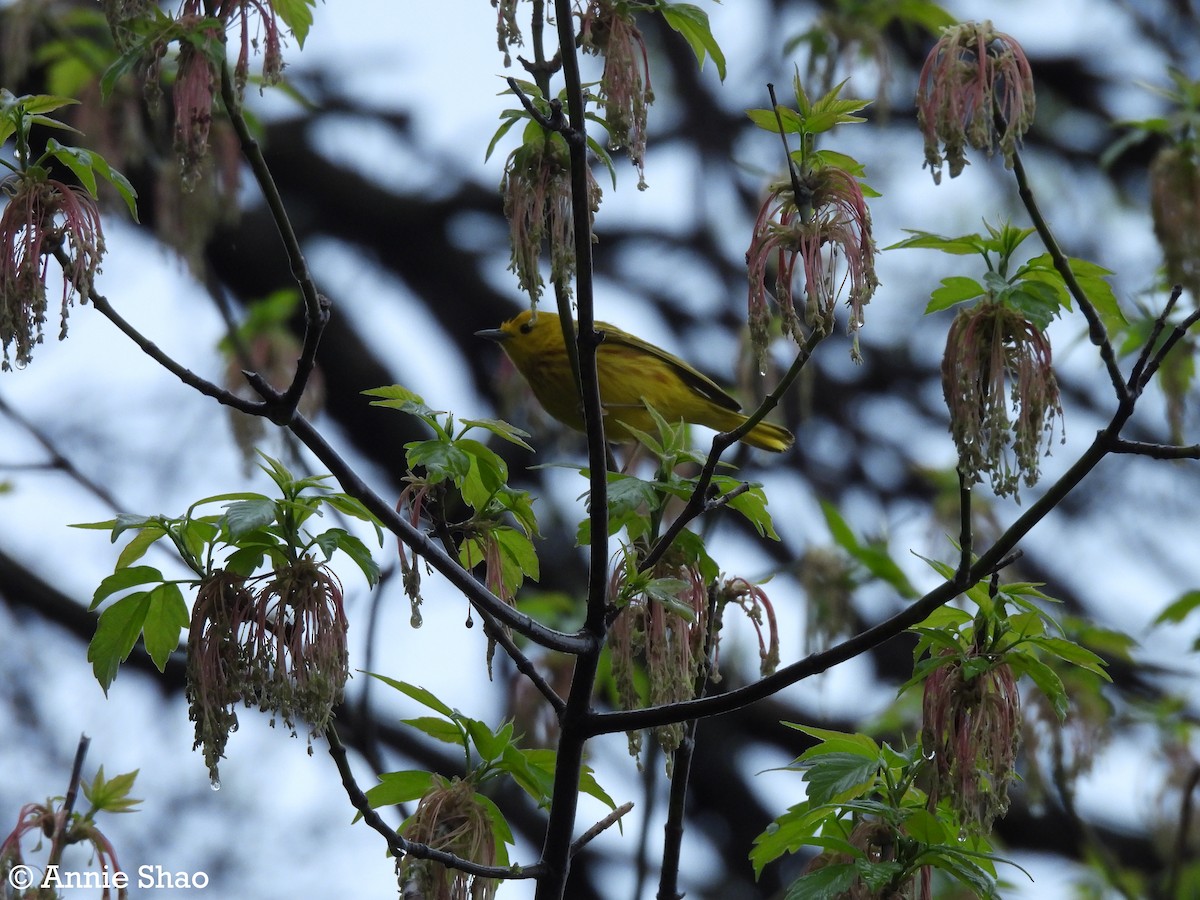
(499, 335)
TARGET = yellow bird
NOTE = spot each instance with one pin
(633, 374)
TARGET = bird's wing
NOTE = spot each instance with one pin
(693, 378)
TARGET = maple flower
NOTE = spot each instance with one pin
(219, 674)
(976, 88)
(1003, 398)
(971, 729)
(1175, 206)
(450, 817)
(195, 89)
(608, 29)
(664, 626)
(42, 215)
(537, 203)
(279, 644)
(828, 234)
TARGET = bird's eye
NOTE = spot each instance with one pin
(527, 327)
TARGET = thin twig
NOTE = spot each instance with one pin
(696, 504)
(1156, 451)
(1135, 374)
(965, 531)
(316, 307)
(603, 825)
(147, 346)
(62, 819)
(1096, 330)
(398, 845)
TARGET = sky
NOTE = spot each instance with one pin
(273, 794)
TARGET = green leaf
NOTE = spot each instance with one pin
(1045, 678)
(532, 770)
(840, 776)
(751, 503)
(399, 787)
(420, 694)
(501, 429)
(924, 826)
(692, 23)
(1180, 608)
(166, 617)
(396, 397)
(518, 550)
(439, 729)
(954, 289)
(489, 744)
(789, 832)
(136, 548)
(354, 548)
(245, 516)
(297, 15)
(501, 832)
(964, 245)
(116, 633)
(837, 742)
(122, 579)
(442, 460)
(111, 795)
(1076, 655)
(829, 882)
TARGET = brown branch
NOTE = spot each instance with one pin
(316, 307)
(397, 844)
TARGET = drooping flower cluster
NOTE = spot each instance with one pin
(670, 626)
(971, 729)
(1003, 398)
(449, 817)
(41, 216)
(202, 27)
(43, 820)
(608, 29)
(667, 634)
(195, 89)
(1175, 207)
(828, 234)
(976, 88)
(537, 202)
(278, 643)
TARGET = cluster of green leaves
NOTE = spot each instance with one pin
(487, 754)
(1010, 627)
(637, 505)
(20, 114)
(854, 782)
(811, 118)
(535, 134)
(110, 795)
(154, 28)
(500, 515)
(1035, 288)
(253, 531)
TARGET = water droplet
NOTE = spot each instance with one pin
(762, 368)
(470, 623)
(416, 621)
(215, 783)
